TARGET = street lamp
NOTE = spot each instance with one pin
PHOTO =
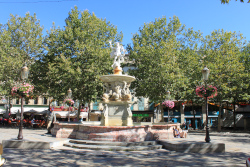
(205, 74)
(69, 93)
(24, 73)
(24, 76)
(168, 98)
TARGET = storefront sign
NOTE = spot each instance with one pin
(140, 115)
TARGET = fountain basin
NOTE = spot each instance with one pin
(114, 133)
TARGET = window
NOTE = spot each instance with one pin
(26, 101)
(17, 101)
(36, 100)
(95, 106)
(45, 100)
(132, 106)
(141, 104)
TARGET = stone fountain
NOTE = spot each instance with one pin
(117, 96)
(116, 123)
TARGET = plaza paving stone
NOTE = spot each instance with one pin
(237, 151)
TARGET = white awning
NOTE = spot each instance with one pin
(64, 114)
(35, 110)
(2, 110)
(83, 114)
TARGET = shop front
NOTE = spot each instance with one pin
(191, 119)
(142, 116)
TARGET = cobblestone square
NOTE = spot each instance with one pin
(237, 151)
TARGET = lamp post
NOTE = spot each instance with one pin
(168, 98)
(24, 76)
(69, 96)
(205, 74)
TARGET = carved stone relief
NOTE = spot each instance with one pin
(116, 91)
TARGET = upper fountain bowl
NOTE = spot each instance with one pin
(117, 78)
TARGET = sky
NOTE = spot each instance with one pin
(130, 15)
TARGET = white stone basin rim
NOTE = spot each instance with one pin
(118, 102)
(115, 77)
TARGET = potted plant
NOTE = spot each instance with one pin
(168, 104)
(23, 90)
(69, 102)
(209, 91)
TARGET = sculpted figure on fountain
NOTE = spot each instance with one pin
(117, 93)
(126, 92)
(107, 92)
(118, 53)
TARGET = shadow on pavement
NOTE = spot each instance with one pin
(17, 157)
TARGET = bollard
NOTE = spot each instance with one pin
(2, 160)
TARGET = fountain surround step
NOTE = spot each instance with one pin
(114, 148)
(91, 142)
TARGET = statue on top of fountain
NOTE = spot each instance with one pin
(118, 53)
(116, 87)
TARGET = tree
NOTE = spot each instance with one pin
(245, 59)
(159, 55)
(223, 52)
(77, 55)
(21, 42)
(227, 1)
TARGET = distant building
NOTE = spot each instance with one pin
(38, 106)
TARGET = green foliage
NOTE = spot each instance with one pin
(160, 53)
(227, 1)
(223, 52)
(21, 42)
(167, 56)
(76, 56)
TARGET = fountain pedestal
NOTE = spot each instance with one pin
(117, 114)
(117, 100)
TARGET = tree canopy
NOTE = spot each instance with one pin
(76, 56)
(223, 52)
(165, 59)
(227, 1)
(21, 42)
(167, 56)
(170, 57)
